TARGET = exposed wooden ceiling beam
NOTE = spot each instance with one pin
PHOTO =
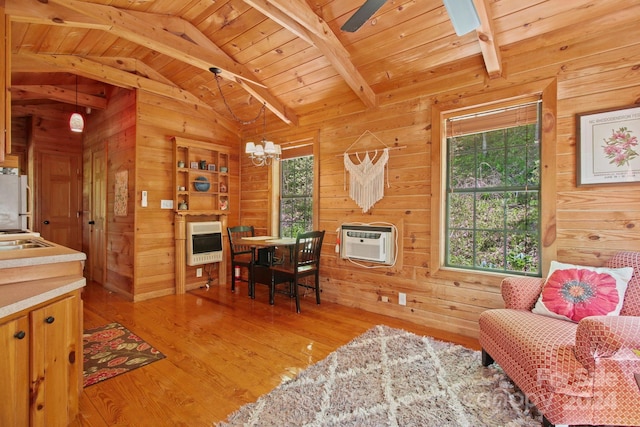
(182, 28)
(488, 45)
(31, 63)
(132, 65)
(299, 18)
(135, 28)
(57, 94)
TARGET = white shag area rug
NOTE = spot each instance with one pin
(390, 377)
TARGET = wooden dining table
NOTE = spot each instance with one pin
(262, 272)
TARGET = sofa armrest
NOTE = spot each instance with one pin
(521, 293)
(604, 336)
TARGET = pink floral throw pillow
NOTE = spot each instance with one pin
(573, 292)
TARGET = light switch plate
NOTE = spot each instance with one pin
(166, 204)
(144, 199)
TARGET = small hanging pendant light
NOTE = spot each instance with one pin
(76, 121)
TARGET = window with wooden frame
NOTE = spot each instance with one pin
(493, 204)
(493, 190)
(295, 188)
(296, 196)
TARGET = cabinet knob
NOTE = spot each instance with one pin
(92, 222)
(50, 319)
(45, 222)
(20, 335)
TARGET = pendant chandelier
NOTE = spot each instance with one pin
(76, 121)
(262, 153)
(265, 152)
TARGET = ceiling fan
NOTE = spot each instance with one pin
(462, 13)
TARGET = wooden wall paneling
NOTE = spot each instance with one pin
(444, 303)
(113, 130)
(159, 120)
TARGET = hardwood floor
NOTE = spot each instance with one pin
(223, 350)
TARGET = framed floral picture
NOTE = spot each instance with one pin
(607, 146)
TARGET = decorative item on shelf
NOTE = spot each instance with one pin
(224, 204)
(223, 187)
(181, 188)
(203, 164)
(260, 154)
(183, 206)
(223, 169)
(194, 165)
(202, 184)
(180, 164)
(212, 167)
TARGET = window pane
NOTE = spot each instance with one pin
(460, 251)
(522, 253)
(462, 172)
(461, 209)
(490, 249)
(490, 211)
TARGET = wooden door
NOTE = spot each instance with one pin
(59, 208)
(97, 222)
(14, 365)
(54, 370)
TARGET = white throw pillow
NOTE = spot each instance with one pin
(573, 292)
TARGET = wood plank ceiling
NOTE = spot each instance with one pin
(289, 54)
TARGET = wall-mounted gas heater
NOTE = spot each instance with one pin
(368, 243)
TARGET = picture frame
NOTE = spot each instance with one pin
(211, 167)
(194, 165)
(607, 150)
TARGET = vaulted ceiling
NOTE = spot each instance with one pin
(288, 54)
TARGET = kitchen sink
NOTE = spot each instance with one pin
(16, 244)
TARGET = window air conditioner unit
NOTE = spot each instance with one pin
(368, 243)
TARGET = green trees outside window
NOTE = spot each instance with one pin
(493, 200)
(296, 202)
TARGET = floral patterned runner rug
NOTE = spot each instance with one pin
(111, 350)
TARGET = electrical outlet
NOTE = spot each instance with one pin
(198, 272)
(402, 298)
(384, 299)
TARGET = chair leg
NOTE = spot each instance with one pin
(272, 289)
(318, 289)
(297, 295)
(486, 358)
(233, 279)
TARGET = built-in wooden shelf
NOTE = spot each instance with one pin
(196, 164)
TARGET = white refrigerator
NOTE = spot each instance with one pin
(13, 202)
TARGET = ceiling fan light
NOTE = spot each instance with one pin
(76, 122)
(259, 150)
(463, 15)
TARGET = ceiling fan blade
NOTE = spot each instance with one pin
(365, 12)
(463, 15)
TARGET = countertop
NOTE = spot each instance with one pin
(35, 256)
(15, 297)
(20, 296)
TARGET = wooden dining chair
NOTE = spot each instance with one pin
(304, 262)
(241, 255)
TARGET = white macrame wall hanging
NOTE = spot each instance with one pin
(367, 173)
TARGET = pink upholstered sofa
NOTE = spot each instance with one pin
(574, 373)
